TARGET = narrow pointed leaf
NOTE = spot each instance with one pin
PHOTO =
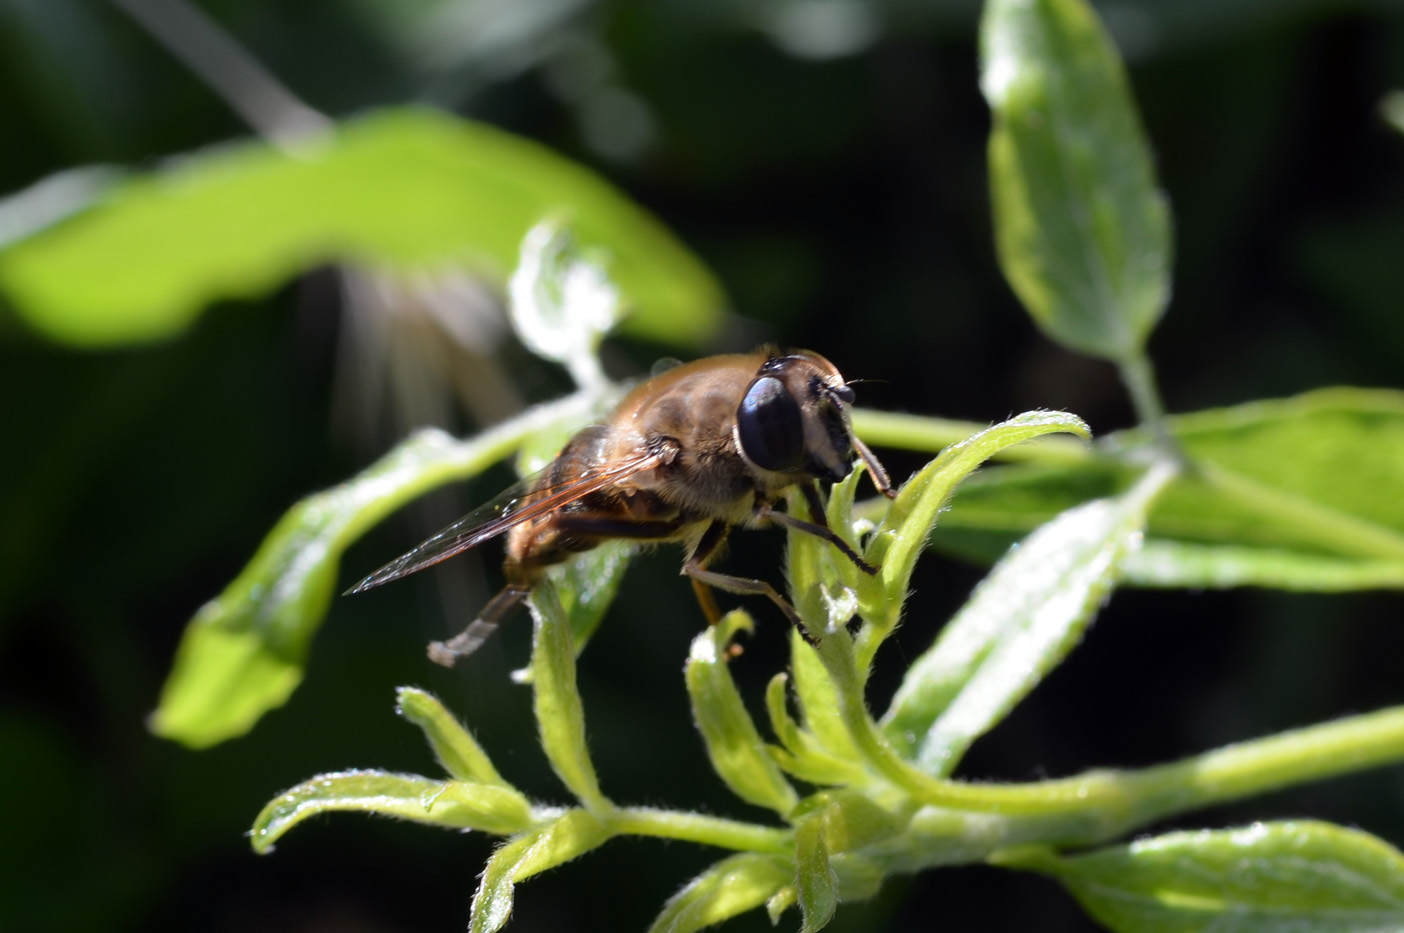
(1083, 234)
(903, 533)
(587, 585)
(814, 878)
(568, 837)
(1020, 623)
(559, 713)
(730, 887)
(819, 702)
(780, 902)
(403, 191)
(244, 651)
(454, 746)
(737, 752)
(1265, 878)
(454, 804)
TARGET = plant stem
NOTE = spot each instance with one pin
(697, 827)
(1098, 805)
(1139, 377)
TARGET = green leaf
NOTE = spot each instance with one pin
(732, 886)
(1392, 107)
(244, 652)
(819, 701)
(1180, 564)
(931, 435)
(852, 819)
(780, 902)
(1265, 878)
(587, 585)
(815, 879)
(1083, 234)
(559, 713)
(801, 755)
(736, 749)
(531, 853)
(454, 746)
(903, 532)
(403, 191)
(453, 804)
(1020, 623)
(1303, 493)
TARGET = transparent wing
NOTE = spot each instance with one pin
(519, 503)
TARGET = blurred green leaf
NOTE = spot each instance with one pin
(571, 835)
(562, 303)
(1393, 109)
(737, 752)
(730, 887)
(403, 190)
(1020, 623)
(244, 651)
(456, 804)
(1180, 564)
(454, 746)
(1303, 493)
(1265, 878)
(1083, 234)
(559, 713)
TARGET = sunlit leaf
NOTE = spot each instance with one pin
(1182, 564)
(1303, 493)
(737, 752)
(908, 523)
(1295, 877)
(562, 303)
(406, 191)
(454, 804)
(454, 746)
(559, 713)
(1020, 623)
(730, 887)
(1082, 232)
(568, 837)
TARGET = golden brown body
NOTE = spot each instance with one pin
(683, 457)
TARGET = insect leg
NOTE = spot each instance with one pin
(480, 629)
(819, 528)
(875, 469)
(695, 567)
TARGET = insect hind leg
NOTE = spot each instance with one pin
(695, 567)
(480, 629)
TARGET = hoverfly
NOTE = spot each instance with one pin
(685, 456)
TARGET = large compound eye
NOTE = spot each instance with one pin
(769, 428)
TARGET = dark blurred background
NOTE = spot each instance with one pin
(826, 158)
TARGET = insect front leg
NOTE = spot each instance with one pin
(695, 567)
(819, 527)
